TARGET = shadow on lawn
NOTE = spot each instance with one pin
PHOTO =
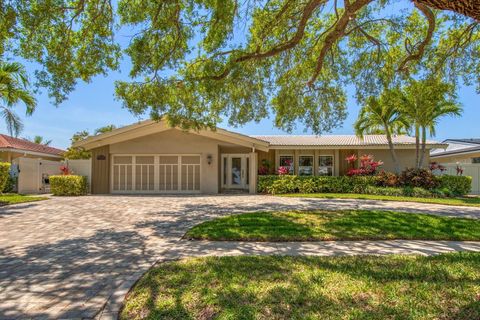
(306, 287)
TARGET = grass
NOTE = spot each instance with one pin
(273, 287)
(458, 201)
(13, 198)
(335, 225)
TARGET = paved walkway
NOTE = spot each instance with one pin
(68, 257)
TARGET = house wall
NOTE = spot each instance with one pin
(462, 158)
(178, 142)
(406, 157)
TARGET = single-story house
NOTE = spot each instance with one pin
(151, 157)
(12, 148)
(459, 150)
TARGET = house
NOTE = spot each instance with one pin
(12, 148)
(459, 150)
(151, 157)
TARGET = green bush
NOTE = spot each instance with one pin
(285, 184)
(422, 178)
(457, 185)
(4, 175)
(11, 184)
(445, 186)
(291, 184)
(68, 185)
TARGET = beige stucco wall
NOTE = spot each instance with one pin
(406, 157)
(462, 158)
(175, 141)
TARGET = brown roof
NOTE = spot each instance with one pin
(25, 145)
(338, 140)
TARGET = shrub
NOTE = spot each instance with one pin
(11, 184)
(387, 179)
(456, 185)
(4, 175)
(68, 185)
(264, 182)
(422, 178)
(286, 184)
(384, 191)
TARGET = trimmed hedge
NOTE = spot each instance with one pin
(68, 185)
(4, 175)
(445, 186)
(457, 185)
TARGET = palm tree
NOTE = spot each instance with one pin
(424, 102)
(40, 140)
(13, 90)
(382, 115)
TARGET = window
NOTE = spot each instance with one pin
(287, 161)
(305, 166)
(476, 160)
(325, 165)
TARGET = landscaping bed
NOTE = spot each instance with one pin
(13, 198)
(272, 287)
(324, 225)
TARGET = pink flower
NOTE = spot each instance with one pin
(283, 170)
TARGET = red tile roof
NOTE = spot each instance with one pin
(25, 145)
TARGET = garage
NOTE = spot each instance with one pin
(160, 173)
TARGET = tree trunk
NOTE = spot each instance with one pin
(417, 146)
(469, 8)
(424, 147)
(392, 151)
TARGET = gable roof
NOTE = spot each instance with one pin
(341, 141)
(23, 145)
(147, 127)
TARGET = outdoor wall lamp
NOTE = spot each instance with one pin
(209, 159)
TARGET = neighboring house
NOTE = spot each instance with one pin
(458, 150)
(151, 157)
(12, 148)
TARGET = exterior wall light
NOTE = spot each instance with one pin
(209, 159)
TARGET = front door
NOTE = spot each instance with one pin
(235, 168)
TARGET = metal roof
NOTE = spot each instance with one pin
(339, 140)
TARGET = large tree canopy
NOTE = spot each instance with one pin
(198, 61)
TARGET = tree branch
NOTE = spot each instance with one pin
(422, 45)
(336, 33)
(469, 8)
(307, 13)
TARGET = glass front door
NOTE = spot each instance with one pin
(235, 171)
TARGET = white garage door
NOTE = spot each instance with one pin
(155, 173)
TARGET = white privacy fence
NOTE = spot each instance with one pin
(33, 174)
(469, 169)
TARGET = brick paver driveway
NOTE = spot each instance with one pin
(63, 258)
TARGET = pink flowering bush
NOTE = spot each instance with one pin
(367, 165)
(284, 170)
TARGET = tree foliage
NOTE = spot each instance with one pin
(199, 61)
(13, 90)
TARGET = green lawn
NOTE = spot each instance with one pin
(335, 225)
(459, 201)
(272, 287)
(12, 198)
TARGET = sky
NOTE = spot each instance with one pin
(93, 105)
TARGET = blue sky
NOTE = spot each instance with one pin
(93, 105)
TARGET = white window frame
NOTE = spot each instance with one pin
(156, 189)
(292, 165)
(312, 166)
(332, 166)
(226, 158)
